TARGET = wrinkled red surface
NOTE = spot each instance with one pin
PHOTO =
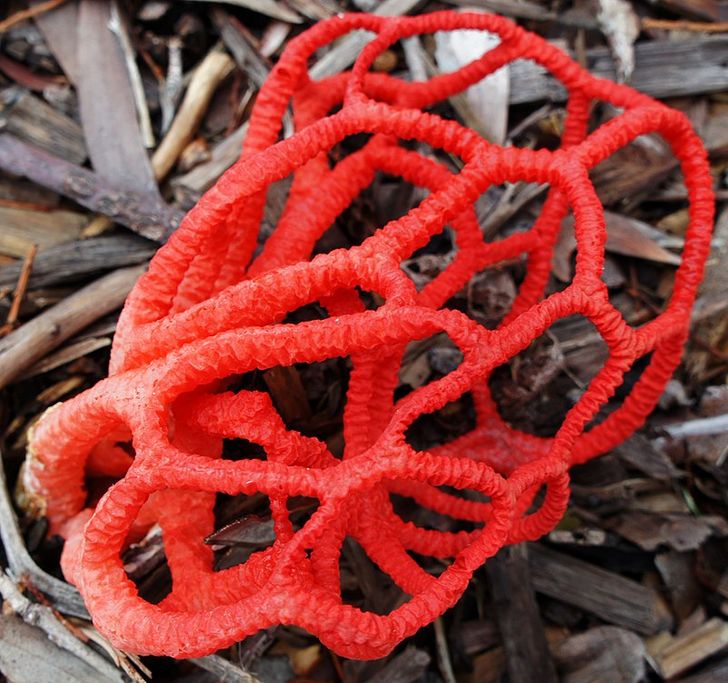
(207, 310)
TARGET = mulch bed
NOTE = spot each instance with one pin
(104, 144)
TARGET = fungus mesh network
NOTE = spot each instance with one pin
(208, 310)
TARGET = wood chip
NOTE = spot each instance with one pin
(237, 39)
(31, 119)
(675, 655)
(22, 228)
(609, 596)
(640, 453)
(516, 611)
(620, 25)
(67, 354)
(59, 30)
(604, 654)
(285, 386)
(662, 69)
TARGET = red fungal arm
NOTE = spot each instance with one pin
(206, 311)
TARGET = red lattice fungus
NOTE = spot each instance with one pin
(207, 310)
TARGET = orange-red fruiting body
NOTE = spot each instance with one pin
(207, 310)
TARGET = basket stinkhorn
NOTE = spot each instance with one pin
(208, 310)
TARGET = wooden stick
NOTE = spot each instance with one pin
(29, 13)
(208, 75)
(685, 25)
(29, 343)
(145, 214)
(20, 290)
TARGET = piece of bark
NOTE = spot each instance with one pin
(70, 261)
(662, 69)
(145, 214)
(444, 663)
(621, 26)
(633, 169)
(205, 79)
(604, 654)
(476, 636)
(30, 342)
(249, 531)
(106, 103)
(519, 621)
(679, 576)
(609, 596)
(715, 133)
(118, 26)
(675, 655)
(713, 326)
(31, 119)
(640, 453)
(22, 228)
(27, 655)
(237, 40)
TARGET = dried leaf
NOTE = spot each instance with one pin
(106, 102)
(625, 235)
(620, 25)
(679, 531)
(487, 101)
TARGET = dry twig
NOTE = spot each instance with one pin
(29, 13)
